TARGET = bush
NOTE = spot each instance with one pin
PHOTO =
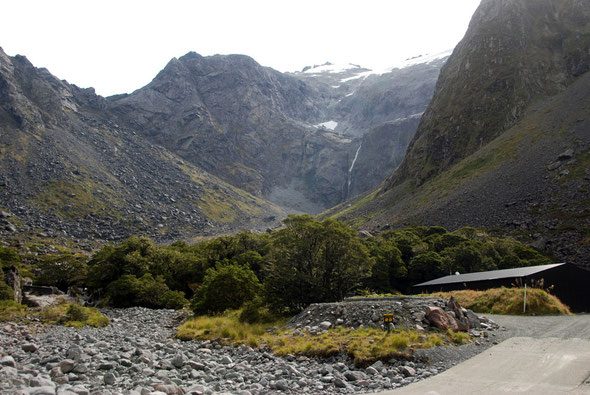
(254, 312)
(68, 314)
(145, 291)
(61, 271)
(8, 260)
(227, 286)
(76, 313)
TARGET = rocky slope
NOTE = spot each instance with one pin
(504, 144)
(69, 170)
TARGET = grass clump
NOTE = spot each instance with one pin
(70, 314)
(227, 328)
(364, 346)
(11, 310)
(508, 301)
(67, 314)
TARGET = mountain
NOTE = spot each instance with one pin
(69, 170)
(504, 143)
(211, 145)
(290, 138)
(513, 53)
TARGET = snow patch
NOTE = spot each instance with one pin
(331, 68)
(416, 60)
(330, 125)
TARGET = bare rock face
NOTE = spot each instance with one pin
(262, 131)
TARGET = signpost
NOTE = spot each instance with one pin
(388, 321)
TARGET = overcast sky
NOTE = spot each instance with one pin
(119, 46)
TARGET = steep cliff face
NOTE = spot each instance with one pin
(273, 134)
(68, 170)
(381, 149)
(513, 53)
(250, 125)
(504, 143)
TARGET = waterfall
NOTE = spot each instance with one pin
(356, 155)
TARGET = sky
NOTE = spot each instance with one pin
(119, 46)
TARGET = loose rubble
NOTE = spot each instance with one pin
(137, 354)
(408, 313)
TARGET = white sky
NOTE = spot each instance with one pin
(118, 46)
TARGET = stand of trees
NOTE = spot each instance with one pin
(306, 261)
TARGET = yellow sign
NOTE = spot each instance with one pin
(387, 318)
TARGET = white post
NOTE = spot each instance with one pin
(524, 306)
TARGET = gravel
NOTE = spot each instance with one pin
(137, 354)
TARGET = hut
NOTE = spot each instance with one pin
(568, 282)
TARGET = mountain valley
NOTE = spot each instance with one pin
(205, 148)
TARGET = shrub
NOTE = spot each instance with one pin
(254, 312)
(76, 313)
(227, 286)
(145, 291)
(68, 314)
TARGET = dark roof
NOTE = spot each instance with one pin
(491, 275)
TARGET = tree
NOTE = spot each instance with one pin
(110, 263)
(389, 271)
(9, 260)
(312, 261)
(227, 286)
(62, 271)
(425, 266)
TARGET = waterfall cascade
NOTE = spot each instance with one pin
(356, 155)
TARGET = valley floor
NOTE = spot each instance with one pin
(137, 354)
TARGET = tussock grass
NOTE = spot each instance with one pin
(508, 301)
(67, 314)
(11, 311)
(70, 314)
(365, 345)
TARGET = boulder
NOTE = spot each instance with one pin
(439, 318)
(462, 321)
(325, 325)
